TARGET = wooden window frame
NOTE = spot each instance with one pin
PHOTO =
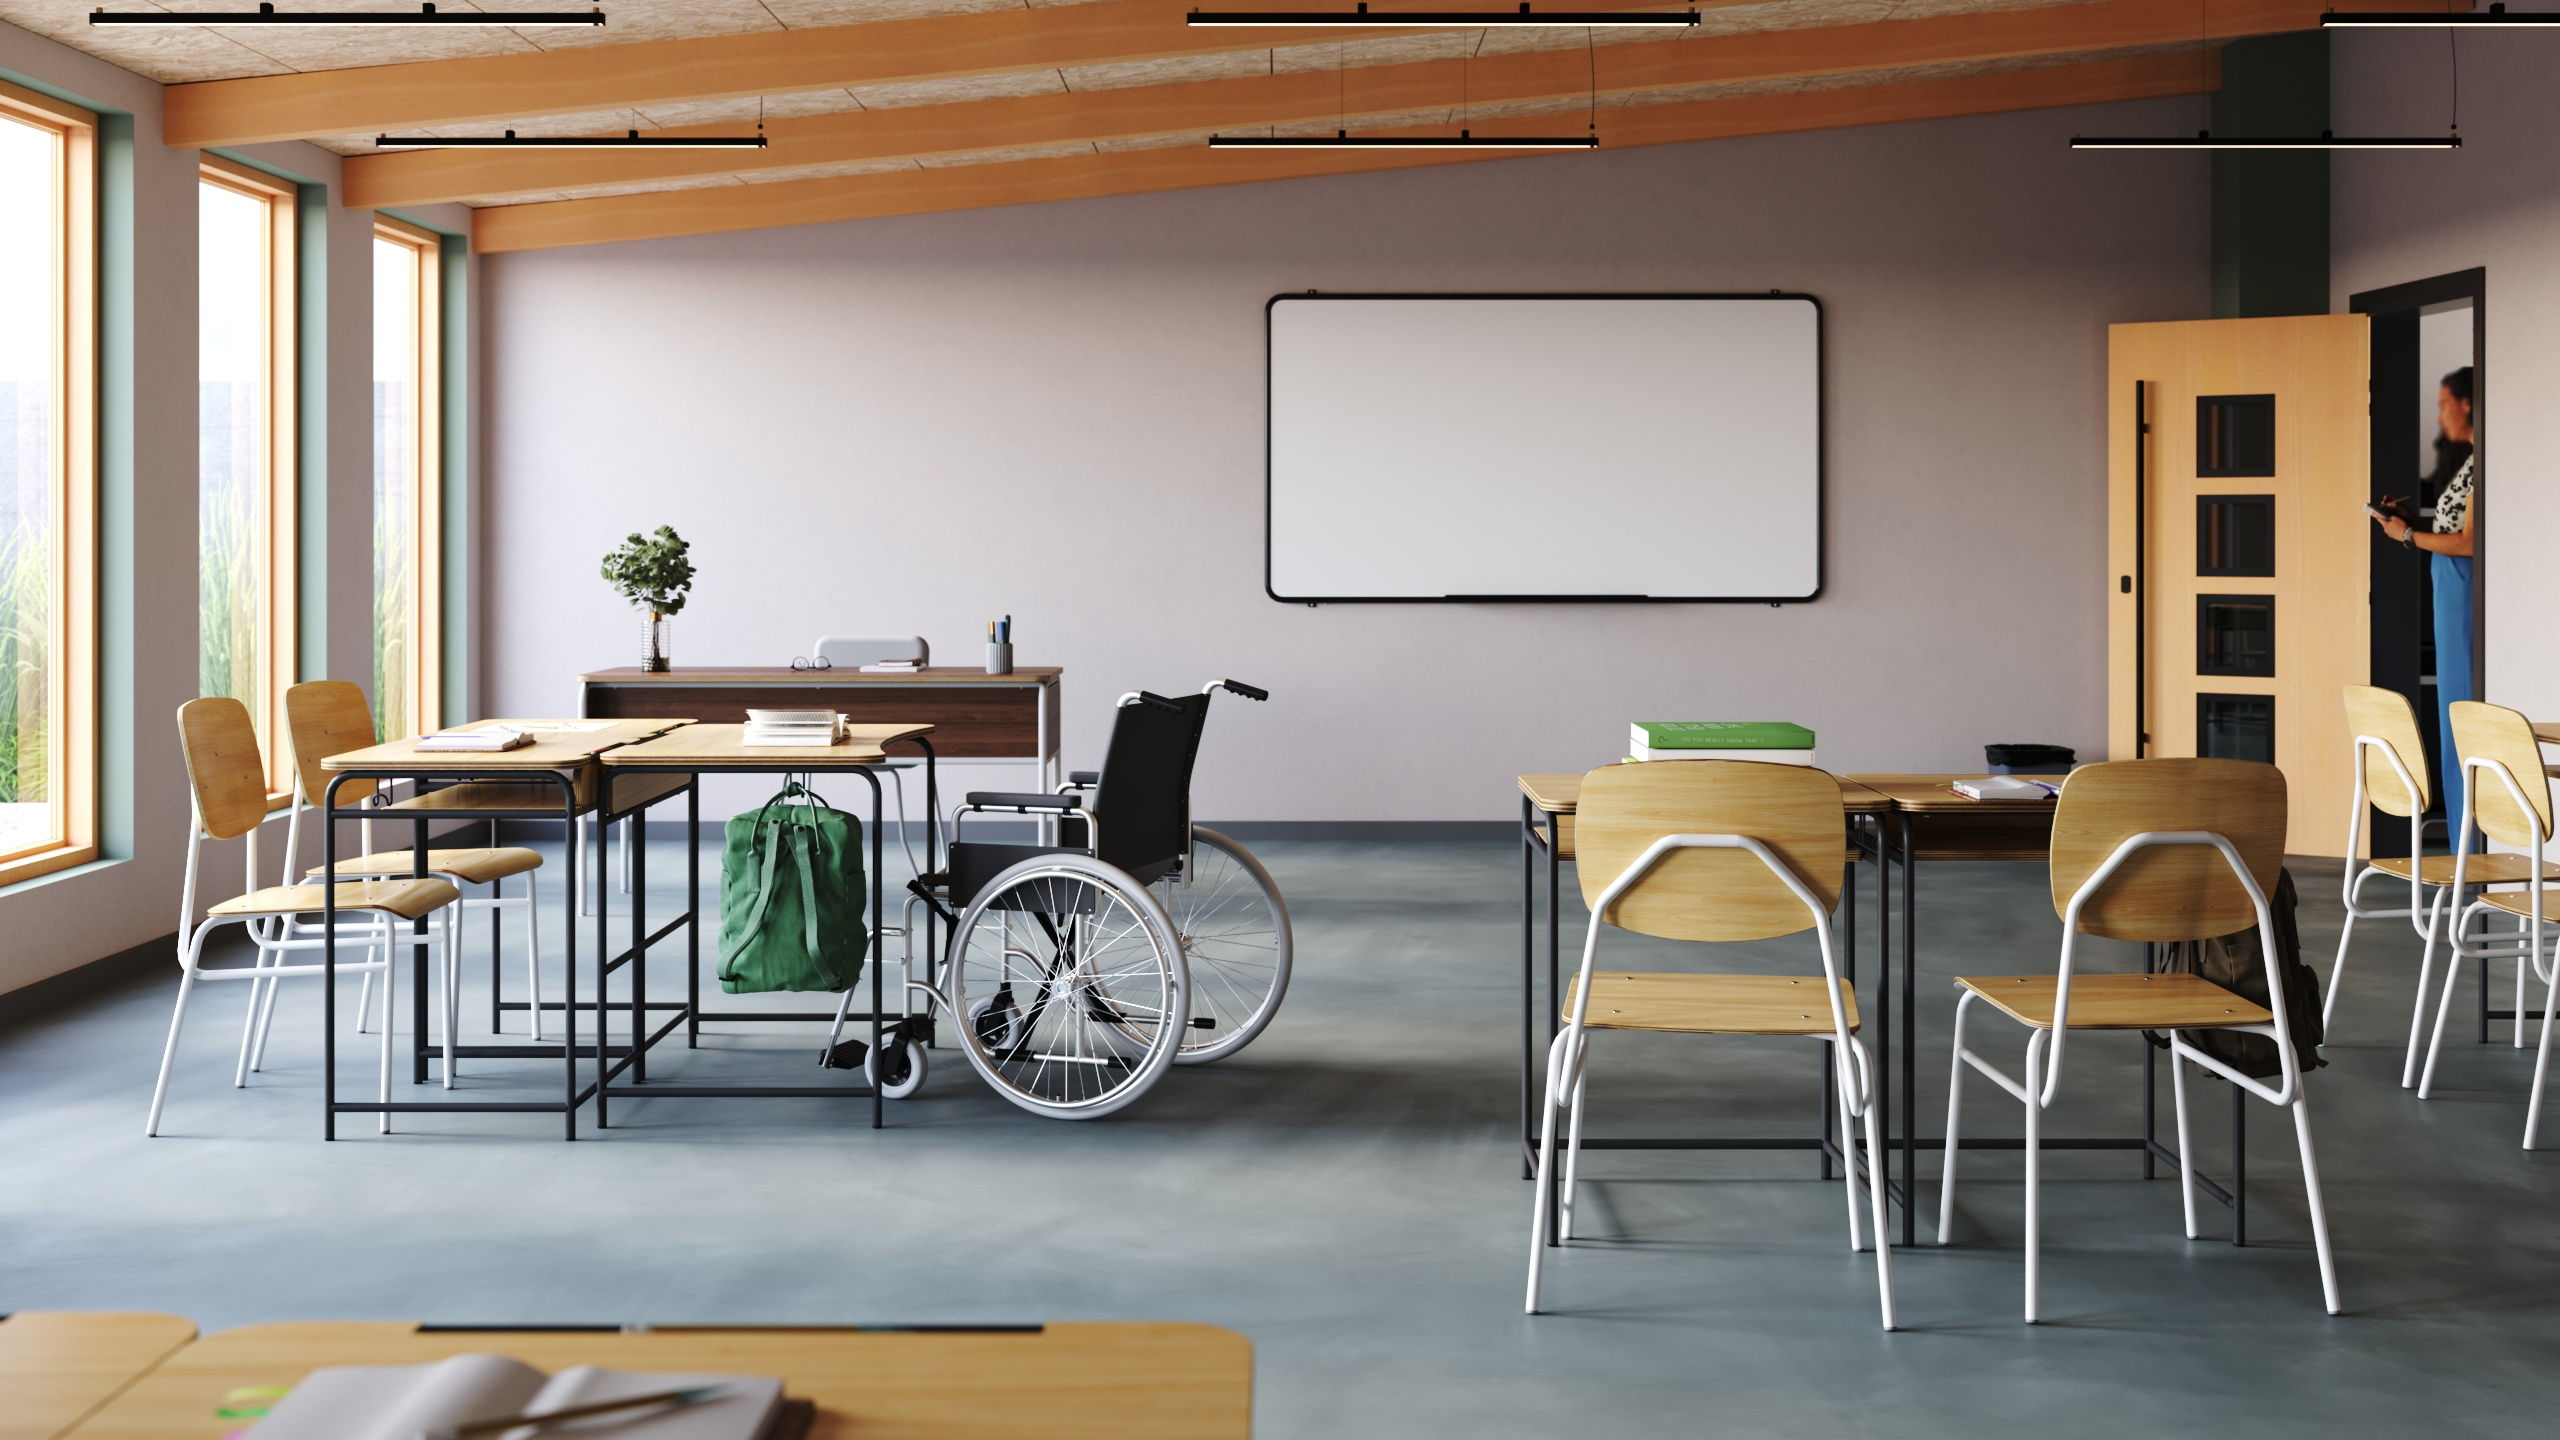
(72, 639)
(275, 508)
(425, 660)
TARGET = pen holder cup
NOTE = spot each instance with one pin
(999, 658)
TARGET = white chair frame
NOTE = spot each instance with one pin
(2044, 1071)
(1566, 1059)
(2529, 947)
(273, 935)
(2431, 907)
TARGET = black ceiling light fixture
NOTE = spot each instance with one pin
(2495, 15)
(1448, 19)
(631, 140)
(424, 15)
(2325, 140)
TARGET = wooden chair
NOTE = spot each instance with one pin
(331, 717)
(228, 779)
(1711, 850)
(2506, 795)
(2150, 850)
(2391, 776)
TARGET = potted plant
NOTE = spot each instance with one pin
(652, 572)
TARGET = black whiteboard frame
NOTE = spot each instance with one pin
(1821, 452)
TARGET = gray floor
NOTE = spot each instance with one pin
(1347, 1194)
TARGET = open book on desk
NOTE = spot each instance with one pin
(403, 1402)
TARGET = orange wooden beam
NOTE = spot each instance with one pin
(718, 209)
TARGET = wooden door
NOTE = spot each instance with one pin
(2237, 558)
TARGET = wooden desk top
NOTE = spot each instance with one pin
(1562, 794)
(713, 747)
(1929, 795)
(840, 675)
(1124, 1381)
(57, 1366)
(552, 749)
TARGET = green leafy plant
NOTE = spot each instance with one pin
(653, 572)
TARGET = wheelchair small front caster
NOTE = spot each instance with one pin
(905, 1068)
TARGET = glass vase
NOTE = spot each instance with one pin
(654, 648)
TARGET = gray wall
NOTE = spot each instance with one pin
(2493, 203)
(914, 425)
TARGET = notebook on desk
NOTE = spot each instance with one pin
(402, 1402)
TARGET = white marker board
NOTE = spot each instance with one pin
(1530, 447)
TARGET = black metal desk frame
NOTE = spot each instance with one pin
(634, 1055)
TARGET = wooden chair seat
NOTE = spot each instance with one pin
(2519, 903)
(1711, 1004)
(2119, 1002)
(407, 899)
(478, 866)
(2482, 869)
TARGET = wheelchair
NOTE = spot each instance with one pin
(1077, 972)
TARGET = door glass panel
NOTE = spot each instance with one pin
(2236, 727)
(2235, 435)
(2236, 635)
(2235, 535)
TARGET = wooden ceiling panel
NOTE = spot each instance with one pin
(962, 187)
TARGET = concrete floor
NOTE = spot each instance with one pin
(1347, 1194)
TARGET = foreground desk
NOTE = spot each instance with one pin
(1085, 1381)
(1547, 807)
(556, 777)
(975, 716)
(687, 754)
(57, 1367)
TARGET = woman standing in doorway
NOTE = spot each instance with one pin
(2448, 547)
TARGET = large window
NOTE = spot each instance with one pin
(244, 447)
(48, 585)
(407, 474)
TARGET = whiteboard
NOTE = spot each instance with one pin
(1519, 447)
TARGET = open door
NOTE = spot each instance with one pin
(2238, 458)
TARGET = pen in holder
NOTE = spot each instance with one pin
(999, 657)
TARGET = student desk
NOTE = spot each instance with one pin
(556, 777)
(1931, 822)
(976, 717)
(58, 1366)
(1080, 1381)
(1547, 806)
(687, 754)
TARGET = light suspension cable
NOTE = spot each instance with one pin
(267, 14)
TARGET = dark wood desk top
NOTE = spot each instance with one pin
(840, 675)
(1562, 794)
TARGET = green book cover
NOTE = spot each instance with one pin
(1723, 735)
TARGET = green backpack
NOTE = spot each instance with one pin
(791, 897)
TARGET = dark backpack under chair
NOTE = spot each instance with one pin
(2232, 962)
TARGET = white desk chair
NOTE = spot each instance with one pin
(1711, 850)
(228, 779)
(331, 717)
(2506, 795)
(2148, 850)
(2391, 776)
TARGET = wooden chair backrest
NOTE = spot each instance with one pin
(1710, 894)
(2494, 732)
(329, 717)
(230, 777)
(2168, 892)
(2386, 716)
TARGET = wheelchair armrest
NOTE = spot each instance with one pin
(1010, 800)
(1078, 779)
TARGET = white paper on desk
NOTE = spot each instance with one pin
(395, 1402)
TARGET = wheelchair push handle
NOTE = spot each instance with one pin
(1237, 687)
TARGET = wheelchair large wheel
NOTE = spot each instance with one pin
(1070, 986)
(1234, 930)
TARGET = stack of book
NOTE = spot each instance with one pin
(486, 738)
(793, 727)
(895, 667)
(1772, 741)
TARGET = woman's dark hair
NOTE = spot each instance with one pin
(2459, 382)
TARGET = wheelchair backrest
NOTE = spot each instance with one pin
(1142, 804)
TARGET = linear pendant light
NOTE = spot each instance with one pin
(2207, 140)
(633, 140)
(1340, 140)
(2431, 19)
(1448, 19)
(267, 14)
